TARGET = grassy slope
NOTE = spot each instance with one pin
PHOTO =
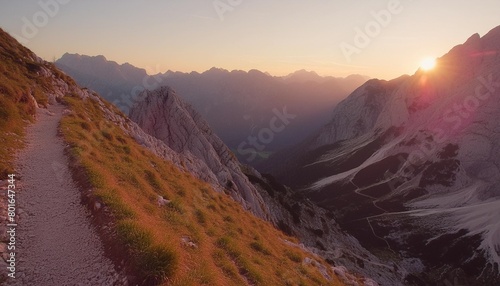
(18, 81)
(233, 246)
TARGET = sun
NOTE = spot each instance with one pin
(428, 64)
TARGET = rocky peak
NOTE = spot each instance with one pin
(162, 114)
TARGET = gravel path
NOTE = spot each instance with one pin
(57, 244)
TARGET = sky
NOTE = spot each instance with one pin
(378, 38)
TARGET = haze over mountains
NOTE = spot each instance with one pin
(373, 183)
(236, 104)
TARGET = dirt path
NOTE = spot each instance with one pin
(57, 245)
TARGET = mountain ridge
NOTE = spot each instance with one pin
(416, 159)
(245, 98)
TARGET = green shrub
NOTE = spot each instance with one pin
(152, 180)
(294, 256)
(158, 262)
(85, 125)
(258, 246)
(200, 216)
(107, 135)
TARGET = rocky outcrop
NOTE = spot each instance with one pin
(163, 115)
(357, 114)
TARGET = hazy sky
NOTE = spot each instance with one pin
(275, 36)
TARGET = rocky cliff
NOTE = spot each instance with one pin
(163, 115)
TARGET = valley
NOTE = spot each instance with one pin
(261, 149)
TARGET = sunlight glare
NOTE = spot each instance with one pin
(428, 64)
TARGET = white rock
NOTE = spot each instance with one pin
(162, 201)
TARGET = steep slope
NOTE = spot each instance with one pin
(165, 116)
(24, 86)
(161, 114)
(158, 222)
(410, 166)
(174, 228)
(248, 100)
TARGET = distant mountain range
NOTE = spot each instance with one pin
(241, 107)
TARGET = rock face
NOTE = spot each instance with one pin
(163, 115)
(188, 140)
(411, 166)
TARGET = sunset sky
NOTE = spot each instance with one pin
(274, 36)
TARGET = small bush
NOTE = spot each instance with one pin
(126, 149)
(86, 126)
(225, 264)
(200, 216)
(294, 256)
(152, 180)
(223, 242)
(132, 235)
(107, 135)
(158, 263)
(96, 179)
(181, 192)
(176, 206)
(258, 246)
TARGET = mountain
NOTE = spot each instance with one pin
(168, 212)
(99, 74)
(239, 106)
(410, 167)
(163, 115)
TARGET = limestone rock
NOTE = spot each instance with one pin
(162, 114)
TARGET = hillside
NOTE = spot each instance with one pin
(158, 222)
(24, 85)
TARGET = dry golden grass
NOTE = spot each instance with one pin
(19, 80)
(232, 246)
